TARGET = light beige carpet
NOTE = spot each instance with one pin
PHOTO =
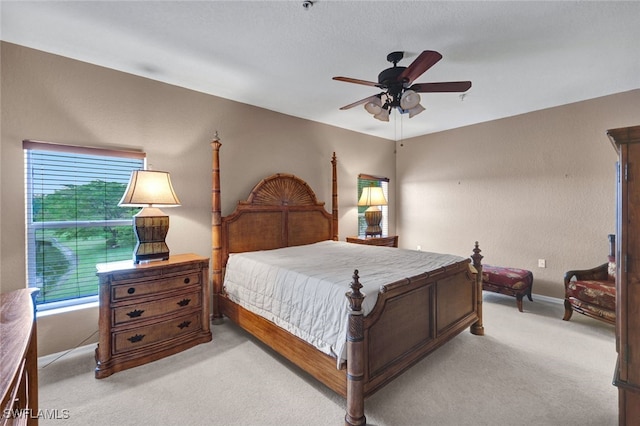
(530, 368)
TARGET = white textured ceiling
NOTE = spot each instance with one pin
(520, 56)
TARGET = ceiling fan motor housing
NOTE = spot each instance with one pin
(389, 77)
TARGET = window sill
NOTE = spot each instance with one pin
(66, 309)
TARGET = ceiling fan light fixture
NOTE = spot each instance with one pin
(383, 115)
(415, 110)
(374, 106)
(409, 100)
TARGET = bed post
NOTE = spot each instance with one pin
(477, 327)
(355, 356)
(216, 227)
(334, 197)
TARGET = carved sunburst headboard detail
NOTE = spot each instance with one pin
(282, 190)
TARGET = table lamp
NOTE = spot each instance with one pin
(150, 189)
(372, 196)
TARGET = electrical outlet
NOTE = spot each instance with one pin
(542, 263)
(419, 247)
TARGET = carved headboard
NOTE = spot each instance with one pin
(281, 211)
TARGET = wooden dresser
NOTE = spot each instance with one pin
(151, 310)
(389, 241)
(626, 141)
(18, 358)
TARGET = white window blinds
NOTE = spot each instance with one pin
(72, 217)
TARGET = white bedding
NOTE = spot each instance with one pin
(302, 289)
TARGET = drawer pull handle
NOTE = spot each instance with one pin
(137, 338)
(131, 290)
(184, 302)
(184, 324)
(187, 280)
(135, 314)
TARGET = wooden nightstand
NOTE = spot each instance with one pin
(151, 310)
(388, 241)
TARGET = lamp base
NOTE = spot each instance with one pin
(373, 216)
(151, 227)
(140, 255)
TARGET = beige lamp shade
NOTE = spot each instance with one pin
(372, 196)
(149, 188)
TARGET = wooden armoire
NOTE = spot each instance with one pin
(626, 141)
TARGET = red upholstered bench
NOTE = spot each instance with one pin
(511, 281)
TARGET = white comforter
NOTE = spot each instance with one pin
(302, 289)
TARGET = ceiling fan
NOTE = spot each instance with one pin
(397, 88)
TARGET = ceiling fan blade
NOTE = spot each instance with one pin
(356, 81)
(360, 102)
(451, 86)
(423, 62)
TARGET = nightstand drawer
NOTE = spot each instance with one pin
(143, 311)
(137, 338)
(148, 271)
(135, 289)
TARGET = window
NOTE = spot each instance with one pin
(368, 180)
(73, 220)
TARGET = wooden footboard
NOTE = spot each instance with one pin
(411, 319)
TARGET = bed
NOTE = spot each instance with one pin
(385, 331)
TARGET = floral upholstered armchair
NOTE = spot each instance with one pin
(592, 292)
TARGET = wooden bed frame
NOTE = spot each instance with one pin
(411, 318)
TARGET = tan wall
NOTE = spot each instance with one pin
(534, 186)
(51, 98)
